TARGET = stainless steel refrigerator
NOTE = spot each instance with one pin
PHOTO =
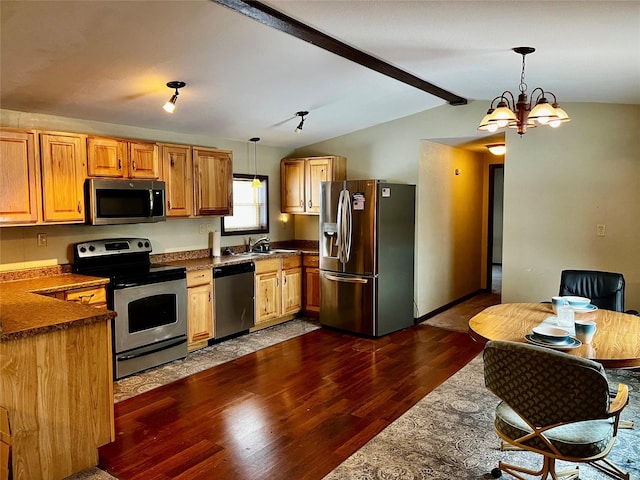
(367, 235)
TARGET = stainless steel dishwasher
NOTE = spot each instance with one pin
(233, 293)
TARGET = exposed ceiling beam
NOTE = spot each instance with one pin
(275, 19)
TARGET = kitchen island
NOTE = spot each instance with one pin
(55, 373)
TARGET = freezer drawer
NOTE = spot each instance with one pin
(348, 302)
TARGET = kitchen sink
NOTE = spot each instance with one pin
(267, 253)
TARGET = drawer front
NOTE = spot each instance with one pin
(291, 262)
(311, 261)
(271, 265)
(199, 277)
(87, 296)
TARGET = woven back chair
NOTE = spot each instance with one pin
(554, 404)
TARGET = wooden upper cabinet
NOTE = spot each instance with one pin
(117, 158)
(318, 170)
(300, 181)
(177, 167)
(143, 160)
(20, 198)
(63, 157)
(106, 157)
(292, 185)
(213, 180)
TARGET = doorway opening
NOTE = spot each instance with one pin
(494, 243)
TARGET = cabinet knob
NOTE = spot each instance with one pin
(301, 203)
(309, 203)
(133, 165)
(79, 207)
(119, 164)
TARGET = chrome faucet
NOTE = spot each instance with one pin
(258, 242)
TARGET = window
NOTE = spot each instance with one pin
(250, 206)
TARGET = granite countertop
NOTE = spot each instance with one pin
(204, 263)
(26, 310)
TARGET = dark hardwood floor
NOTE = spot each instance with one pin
(295, 410)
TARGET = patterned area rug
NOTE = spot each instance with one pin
(449, 435)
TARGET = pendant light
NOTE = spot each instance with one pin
(255, 183)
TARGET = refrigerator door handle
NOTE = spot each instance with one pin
(344, 226)
(337, 278)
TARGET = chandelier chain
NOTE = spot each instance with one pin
(523, 85)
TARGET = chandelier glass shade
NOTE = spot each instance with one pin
(506, 112)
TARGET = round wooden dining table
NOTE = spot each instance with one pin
(616, 343)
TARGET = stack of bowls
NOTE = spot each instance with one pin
(578, 302)
(550, 334)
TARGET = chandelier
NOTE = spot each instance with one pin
(519, 115)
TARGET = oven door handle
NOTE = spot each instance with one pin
(153, 350)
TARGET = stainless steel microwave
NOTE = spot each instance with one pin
(115, 201)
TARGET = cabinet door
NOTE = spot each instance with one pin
(143, 160)
(318, 170)
(291, 290)
(213, 179)
(200, 313)
(19, 177)
(267, 296)
(292, 185)
(312, 289)
(177, 168)
(63, 167)
(106, 157)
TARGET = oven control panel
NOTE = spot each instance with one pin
(111, 246)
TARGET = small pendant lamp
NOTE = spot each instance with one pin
(255, 183)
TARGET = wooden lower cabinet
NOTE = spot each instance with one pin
(57, 388)
(199, 308)
(278, 290)
(291, 285)
(311, 285)
(267, 292)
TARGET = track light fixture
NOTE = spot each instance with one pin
(170, 106)
(301, 114)
(523, 114)
(255, 183)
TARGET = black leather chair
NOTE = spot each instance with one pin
(605, 289)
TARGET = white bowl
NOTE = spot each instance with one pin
(579, 302)
(551, 333)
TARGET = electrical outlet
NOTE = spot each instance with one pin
(42, 239)
(600, 229)
(203, 229)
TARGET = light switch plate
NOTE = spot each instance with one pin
(600, 229)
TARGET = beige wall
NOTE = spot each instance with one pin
(18, 248)
(558, 185)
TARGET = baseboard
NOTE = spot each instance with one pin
(441, 309)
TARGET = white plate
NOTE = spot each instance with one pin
(572, 343)
(588, 308)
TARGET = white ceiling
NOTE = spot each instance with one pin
(110, 61)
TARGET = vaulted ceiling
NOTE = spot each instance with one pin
(110, 61)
